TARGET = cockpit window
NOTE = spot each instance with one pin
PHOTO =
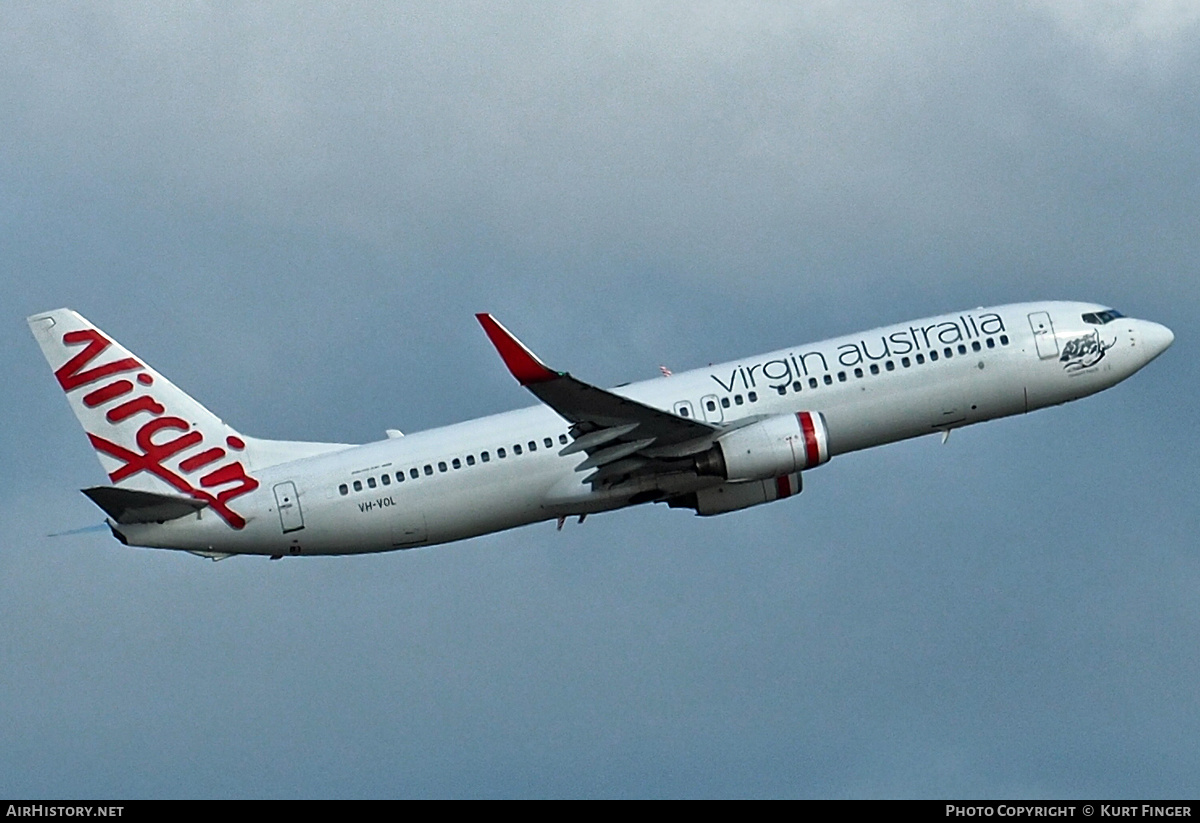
(1099, 318)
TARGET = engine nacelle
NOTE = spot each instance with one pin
(768, 449)
(729, 497)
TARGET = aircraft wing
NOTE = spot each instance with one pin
(621, 436)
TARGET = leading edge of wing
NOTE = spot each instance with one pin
(588, 407)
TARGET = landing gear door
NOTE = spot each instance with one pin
(1043, 334)
(288, 503)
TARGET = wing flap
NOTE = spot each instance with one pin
(614, 473)
(612, 454)
(596, 439)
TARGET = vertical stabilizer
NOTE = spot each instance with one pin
(151, 436)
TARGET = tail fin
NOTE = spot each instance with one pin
(149, 435)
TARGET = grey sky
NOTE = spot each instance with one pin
(293, 210)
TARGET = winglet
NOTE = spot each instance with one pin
(524, 364)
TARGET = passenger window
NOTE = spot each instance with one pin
(386, 479)
(370, 482)
(548, 443)
(752, 397)
(470, 460)
(948, 352)
(724, 402)
(399, 477)
(562, 438)
(828, 380)
(782, 389)
(858, 372)
(975, 346)
(874, 368)
(841, 377)
(533, 445)
(933, 355)
(441, 465)
(485, 457)
(797, 386)
(428, 470)
(517, 449)
(501, 453)
(920, 359)
(344, 489)
(413, 473)
(1004, 340)
(890, 366)
(358, 485)
(812, 382)
(991, 344)
(710, 405)
(962, 348)
(737, 399)
(456, 463)
(905, 362)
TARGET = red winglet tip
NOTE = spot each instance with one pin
(524, 364)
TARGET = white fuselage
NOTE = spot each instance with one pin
(875, 387)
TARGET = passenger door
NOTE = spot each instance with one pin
(1043, 334)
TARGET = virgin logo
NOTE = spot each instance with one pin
(166, 446)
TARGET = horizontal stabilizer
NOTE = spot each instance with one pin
(127, 506)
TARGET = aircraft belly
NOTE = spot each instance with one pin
(358, 524)
(506, 502)
(891, 417)
(206, 532)
(885, 417)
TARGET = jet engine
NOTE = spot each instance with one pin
(730, 497)
(768, 449)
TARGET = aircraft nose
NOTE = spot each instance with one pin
(1157, 338)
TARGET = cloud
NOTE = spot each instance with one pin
(292, 211)
(749, 131)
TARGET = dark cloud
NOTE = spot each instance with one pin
(293, 212)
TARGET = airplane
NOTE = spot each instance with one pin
(714, 440)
